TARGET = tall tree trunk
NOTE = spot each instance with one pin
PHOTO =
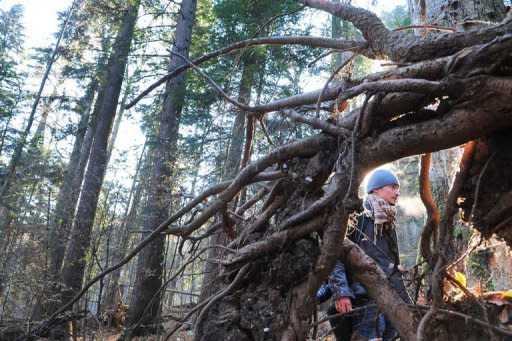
(75, 257)
(465, 15)
(4, 132)
(38, 139)
(60, 221)
(145, 303)
(119, 118)
(418, 10)
(73, 176)
(67, 201)
(234, 156)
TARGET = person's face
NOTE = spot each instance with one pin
(389, 193)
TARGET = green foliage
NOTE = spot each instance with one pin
(396, 18)
(11, 48)
(243, 19)
(479, 262)
(11, 37)
(273, 71)
(463, 232)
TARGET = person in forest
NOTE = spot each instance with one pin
(375, 234)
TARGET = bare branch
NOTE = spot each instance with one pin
(465, 317)
(240, 105)
(428, 27)
(351, 192)
(154, 234)
(367, 22)
(399, 47)
(249, 138)
(302, 300)
(314, 209)
(459, 125)
(304, 148)
(249, 203)
(338, 69)
(291, 40)
(262, 219)
(274, 242)
(430, 228)
(317, 123)
(400, 85)
(366, 271)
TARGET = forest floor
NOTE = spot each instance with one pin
(103, 333)
(185, 335)
(114, 335)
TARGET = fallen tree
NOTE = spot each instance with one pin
(446, 90)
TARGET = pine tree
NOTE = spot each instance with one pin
(74, 260)
(143, 317)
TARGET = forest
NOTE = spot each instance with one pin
(189, 170)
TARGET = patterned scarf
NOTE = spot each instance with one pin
(382, 212)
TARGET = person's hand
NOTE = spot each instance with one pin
(343, 304)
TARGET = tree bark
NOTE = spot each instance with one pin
(73, 176)
(400, 47)
(465, 15)
(118, 119)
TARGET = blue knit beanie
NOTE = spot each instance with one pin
(379, 178)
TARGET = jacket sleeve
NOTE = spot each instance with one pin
(339, 283)
(338, 280)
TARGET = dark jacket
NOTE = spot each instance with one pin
(383, 250)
